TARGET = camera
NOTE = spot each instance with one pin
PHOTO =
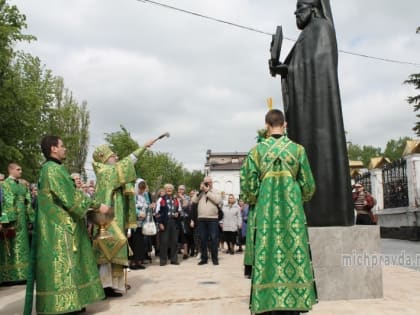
(206, 184)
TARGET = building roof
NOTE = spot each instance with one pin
(228, 153)
(226, 167)
(411, 147)
(378, 162)
(355, 164)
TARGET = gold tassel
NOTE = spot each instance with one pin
(270, 103)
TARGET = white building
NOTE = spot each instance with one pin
(223, 168)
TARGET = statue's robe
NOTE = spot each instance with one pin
(314, 120)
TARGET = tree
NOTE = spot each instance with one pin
(11, 25)
(414, 79)
(33, 106)
(25, 96)
(155, 168)
(34, 103)
(71, 121)
(364, 154)
(395, 148)
(193, 179)
(354, 152)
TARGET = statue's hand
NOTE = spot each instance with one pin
(277, 69)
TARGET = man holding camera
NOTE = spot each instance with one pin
(208, 201)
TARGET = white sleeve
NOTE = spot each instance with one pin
(157, 210)
(239, 217)
(133, 158)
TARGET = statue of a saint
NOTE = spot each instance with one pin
(313, 111)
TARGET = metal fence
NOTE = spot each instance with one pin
(365, 180)
(395, 184)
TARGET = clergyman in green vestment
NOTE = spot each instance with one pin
(14, 238)
(115, 187)
(62, 260)
(276, 179)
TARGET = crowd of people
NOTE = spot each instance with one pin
(79, 266)
(179, 221)
(55, 215)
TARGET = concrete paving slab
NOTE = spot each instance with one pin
(223, 290)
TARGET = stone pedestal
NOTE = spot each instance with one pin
(347, 262)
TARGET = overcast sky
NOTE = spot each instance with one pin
(154, 70)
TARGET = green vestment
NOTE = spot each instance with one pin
(14, 251)
(66, 273)
(277, 179)
(115, 188)
(250, 227)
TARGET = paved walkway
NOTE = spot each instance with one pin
(213, 290)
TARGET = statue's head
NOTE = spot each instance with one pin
(305, 10)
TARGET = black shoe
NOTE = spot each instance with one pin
(174, 263)
(12, 283)
(202, 262)
(163, 263)
(140, 267)
(215, 262)
(75, 312)
(83, 310)
(239, 250)
(110, 292)
(185, 256)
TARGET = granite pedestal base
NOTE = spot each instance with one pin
(347, 262)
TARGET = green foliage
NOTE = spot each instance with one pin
(414, 79)
(11, 25)
(193, 180)
(364, 154)
(34, 103)
(25, 95)
(71, 121)
(121, 142)
(32, 106)
(393, 151)
(395, 148)
(155, 167)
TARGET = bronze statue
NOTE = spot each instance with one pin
(312, 106)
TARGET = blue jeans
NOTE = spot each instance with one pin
(209, 231)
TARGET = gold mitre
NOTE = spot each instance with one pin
(102, 153)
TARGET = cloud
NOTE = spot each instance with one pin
(154, 70)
